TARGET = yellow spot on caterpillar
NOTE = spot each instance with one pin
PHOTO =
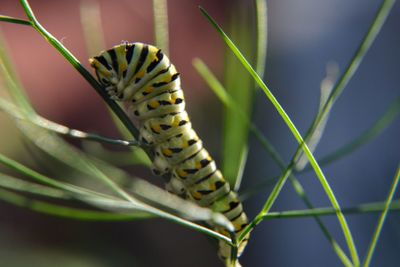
(167, 152)
(94, 63)
(196, 195)
(182, 173)
(224, 232)
(120, 53)
(156, 128)
(198, 165)
(140, 74)
(153, 52)
(105, 72)
(154, 104)
(148, 89)
(237, 226)
(175, 123)
(122, 66)
(212, 187)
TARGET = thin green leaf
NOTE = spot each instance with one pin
(240, 87)
(61, 129)
(262, 35)
(9, 182)
(219, 90)
(11, 81)
(14, 20)
(46, 180)
(382, 218)
(296, 134)
(363, 208)
(160, 15)
(365, 44)
(67, 212)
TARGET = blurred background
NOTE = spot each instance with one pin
(303, 37)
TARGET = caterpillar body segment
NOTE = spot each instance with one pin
(142, 77)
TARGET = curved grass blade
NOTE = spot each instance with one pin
(364, 46)
(382, 218)
(220, 91)
(296, 134)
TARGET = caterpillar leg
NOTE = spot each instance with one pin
(176, 187)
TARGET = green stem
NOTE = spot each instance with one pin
(364, 208)
(262, 35)
(15, 20)
(13, 110)
(160, 14)
(227, 100)
(67, 212)
(382, 218)
(46, 180)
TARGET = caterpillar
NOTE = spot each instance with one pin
(143, 78)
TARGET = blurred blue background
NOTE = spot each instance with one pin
(303, 37)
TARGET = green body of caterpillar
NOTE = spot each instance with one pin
(143, 77)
